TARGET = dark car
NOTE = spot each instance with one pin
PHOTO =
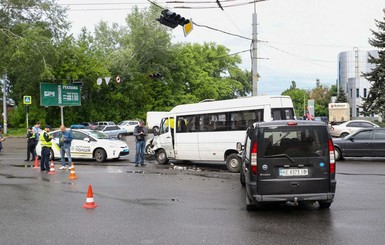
(368, 142)
(288, 162)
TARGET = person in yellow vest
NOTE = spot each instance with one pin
(46, 145)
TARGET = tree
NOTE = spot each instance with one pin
(375, 102)
(299, 98)
(321, 97)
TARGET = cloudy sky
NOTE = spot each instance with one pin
(299, 39)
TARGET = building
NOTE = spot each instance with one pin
(351, 66)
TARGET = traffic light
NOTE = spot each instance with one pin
(171, 19)
(156, 75)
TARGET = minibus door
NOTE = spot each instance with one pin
(165, 138)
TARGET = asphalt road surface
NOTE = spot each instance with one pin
(184, 203)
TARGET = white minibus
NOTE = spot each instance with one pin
(209, 131)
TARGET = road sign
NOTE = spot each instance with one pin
(187, 28)
(27, 100)
(59, 95)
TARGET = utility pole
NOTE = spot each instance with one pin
(255, 55)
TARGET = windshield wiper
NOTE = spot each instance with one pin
(281, 155)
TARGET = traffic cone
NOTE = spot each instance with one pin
(72, 172)
(36, 165)
(52, 168)
(90, 199)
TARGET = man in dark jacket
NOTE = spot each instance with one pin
(140, 132)
(31, 144)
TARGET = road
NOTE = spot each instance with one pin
(177, 204)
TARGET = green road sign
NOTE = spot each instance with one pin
(59, 95)
(27, 100)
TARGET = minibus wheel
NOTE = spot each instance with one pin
(233, 163)
(161, 157)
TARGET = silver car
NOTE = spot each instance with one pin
(344, 129)
(113, 131)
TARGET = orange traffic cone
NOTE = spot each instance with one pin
(72, 172)
(52, 168)
(36, 165)
(90, 199)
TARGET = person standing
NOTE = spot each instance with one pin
(37, 130)
(46, 145)
(31, 144)
(65, 139)
(140, 132)
(1, 139)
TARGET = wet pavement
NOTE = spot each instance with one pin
(183, 203)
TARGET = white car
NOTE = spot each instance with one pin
(89, 144)
(344, 129)
(128, 125)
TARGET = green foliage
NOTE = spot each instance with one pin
(375, 102)
(299, 98)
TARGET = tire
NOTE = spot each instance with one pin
(100, 155)
(233, 163)
(343, 135)
(161, 157)
(324, 204)
(337, 154)
(148, 150)
(242, 178)
(119, 136)
(51, 155)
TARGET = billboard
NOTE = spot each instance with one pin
(52, 94)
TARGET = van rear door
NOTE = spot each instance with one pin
(293, 160)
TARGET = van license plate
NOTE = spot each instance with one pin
(293, 172)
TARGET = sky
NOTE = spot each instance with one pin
(299, 40)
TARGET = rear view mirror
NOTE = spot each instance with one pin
(239, 147)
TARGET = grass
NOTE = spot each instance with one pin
(20, 132)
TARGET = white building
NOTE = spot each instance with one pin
(351, 66)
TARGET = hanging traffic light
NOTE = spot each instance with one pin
(171, 19)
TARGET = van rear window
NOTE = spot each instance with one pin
(296, 141)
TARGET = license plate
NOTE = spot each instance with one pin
(293, 172)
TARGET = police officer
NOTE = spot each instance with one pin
(46, 145)
(31, 144)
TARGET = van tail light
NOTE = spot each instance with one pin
(254, 159)
(332, 165)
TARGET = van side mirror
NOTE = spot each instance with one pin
(239, 147)
(87, 139)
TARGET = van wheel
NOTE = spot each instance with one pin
(119, 136)
(233, 163)
(161, 157)
(324, 204)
